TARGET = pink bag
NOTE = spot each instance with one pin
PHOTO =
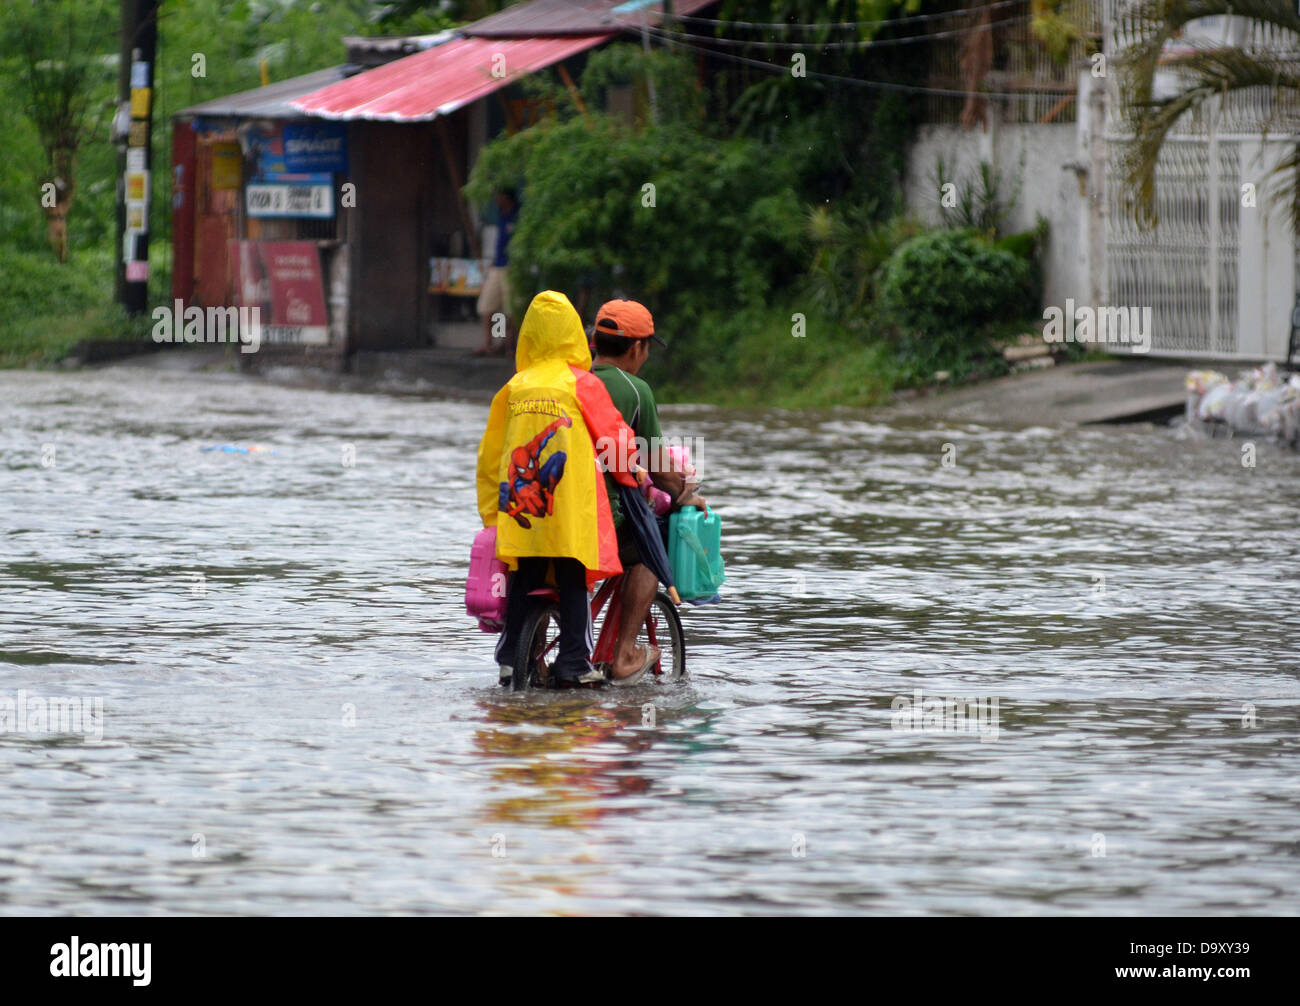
(660, 502)
(485, 589)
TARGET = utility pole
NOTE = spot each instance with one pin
(133, 133)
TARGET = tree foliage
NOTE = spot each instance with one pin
(661, 212)
(852, 136)
(61, 73)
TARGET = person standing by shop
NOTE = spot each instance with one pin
(494, 298)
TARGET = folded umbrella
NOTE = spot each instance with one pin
(649, 542)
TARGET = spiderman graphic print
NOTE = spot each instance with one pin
(530, 487)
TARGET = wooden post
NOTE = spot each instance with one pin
(573, 90)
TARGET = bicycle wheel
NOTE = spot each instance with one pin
(663, 628)
(539, 645)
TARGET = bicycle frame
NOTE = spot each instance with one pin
(610, 592)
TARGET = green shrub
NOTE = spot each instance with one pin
(942, 291)
(714, 231)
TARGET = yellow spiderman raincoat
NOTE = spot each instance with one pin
(537, 475)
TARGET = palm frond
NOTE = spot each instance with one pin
(1203, 71)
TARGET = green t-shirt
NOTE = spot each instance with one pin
(634, 399)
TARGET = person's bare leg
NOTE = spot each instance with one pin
(486, 348)
(639, 586)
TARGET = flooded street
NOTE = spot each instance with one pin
(299, 718)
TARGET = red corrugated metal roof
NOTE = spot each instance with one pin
(440, 80)
(572, 17)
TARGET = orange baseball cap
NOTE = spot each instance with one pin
(628, 319)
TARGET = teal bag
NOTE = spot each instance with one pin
(695, 553)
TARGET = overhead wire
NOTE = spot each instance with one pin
(858, 44)
(882, 85)
(908, 19)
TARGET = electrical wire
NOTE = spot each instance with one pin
(910, 19)
(856, 81)
(860, 44)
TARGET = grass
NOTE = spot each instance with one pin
(752, 357)
(46, 309)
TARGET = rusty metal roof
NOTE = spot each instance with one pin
(440, 80)
(573, 17)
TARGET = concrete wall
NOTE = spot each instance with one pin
(1040, 157)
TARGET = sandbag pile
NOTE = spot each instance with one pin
(1263, 402)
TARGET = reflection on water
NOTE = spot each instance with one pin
(566, 755)
(299, 718)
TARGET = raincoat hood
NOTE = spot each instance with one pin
(552, 330)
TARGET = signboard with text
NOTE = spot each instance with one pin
(283, 280)
(227, 166)
(309, 147)
(291, 196)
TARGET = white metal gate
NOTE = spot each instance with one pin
(1219, 270)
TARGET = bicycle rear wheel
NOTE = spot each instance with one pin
(539, 645)
(663, 628)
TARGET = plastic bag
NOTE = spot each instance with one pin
(485, 588)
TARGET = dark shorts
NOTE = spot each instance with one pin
(628, 554)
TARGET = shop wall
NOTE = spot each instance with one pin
(392, 167)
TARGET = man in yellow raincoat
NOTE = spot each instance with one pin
(539, 485)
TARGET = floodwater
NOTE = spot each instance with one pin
(299, 718)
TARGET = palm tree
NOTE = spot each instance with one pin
(1203, 72)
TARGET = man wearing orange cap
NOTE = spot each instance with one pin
(623, 333)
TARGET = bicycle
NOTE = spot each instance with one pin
(540, 638)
